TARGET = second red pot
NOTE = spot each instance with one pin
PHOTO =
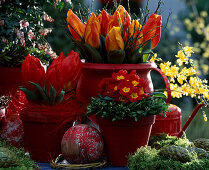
(123, 137)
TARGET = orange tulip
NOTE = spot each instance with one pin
(105, 20)
(114, 40)
(92, 32)
(152, 30)
(125, 17)
(75, 25)
(134, 30)
(71, 69)
(115, 21)
(32, 70)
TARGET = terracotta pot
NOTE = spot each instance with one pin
(10, 79)
(122, 137)
(93, 73)
(44, 127)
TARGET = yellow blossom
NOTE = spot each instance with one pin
(188, 50)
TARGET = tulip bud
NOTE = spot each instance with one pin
(58, 60)
(71, 69)
(133, 31)
(152, 30)
(105, 20)
(92, 32)
(115, 21)
(32, 70)
(125, 17)
(114, 40)
(54, 77)
(75, 25)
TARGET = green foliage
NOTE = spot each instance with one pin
(13, 55)
(42, 95)
(23, 160)
(107, 107)
(14, 49)
(148, 158)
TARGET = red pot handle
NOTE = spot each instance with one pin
(190, 119)
(167, 84)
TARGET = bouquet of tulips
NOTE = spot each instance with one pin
(115, 38)
(49, 87)
(124, 95)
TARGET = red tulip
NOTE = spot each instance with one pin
(58, 60)
(71, 69)
(32, 70)
(54, 77)
(152, 30)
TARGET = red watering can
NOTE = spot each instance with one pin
(172, 123)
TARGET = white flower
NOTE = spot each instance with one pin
(45, 31)
(23, 24)
(31, 35)
(46, 17)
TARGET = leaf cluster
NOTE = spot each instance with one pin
(42, 95)
(109, 108)
(24, 161)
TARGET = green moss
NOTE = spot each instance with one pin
(24, 161)
(164, 140)
(147, 158)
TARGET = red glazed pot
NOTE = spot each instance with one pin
(171, 124)
(122, 137)
(44, 127)
(93, 73)
(10, 79)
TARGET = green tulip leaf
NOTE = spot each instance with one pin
(145, 57)
(41, 91)
(102, 48)
(52, 94)
(30, 95)
(147, 47)
(158, 94)
(60, 97)
(116, 57)
(96, 57)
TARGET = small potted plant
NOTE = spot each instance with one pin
(125, 113)
(52, 106)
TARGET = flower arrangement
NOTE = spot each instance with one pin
(124, 95)
(50, 87)
(115, 38)
(22, 32)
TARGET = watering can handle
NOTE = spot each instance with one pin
(167, 84)
(190, 119)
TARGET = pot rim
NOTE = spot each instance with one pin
(101, 66)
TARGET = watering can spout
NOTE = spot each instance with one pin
(190, 119)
